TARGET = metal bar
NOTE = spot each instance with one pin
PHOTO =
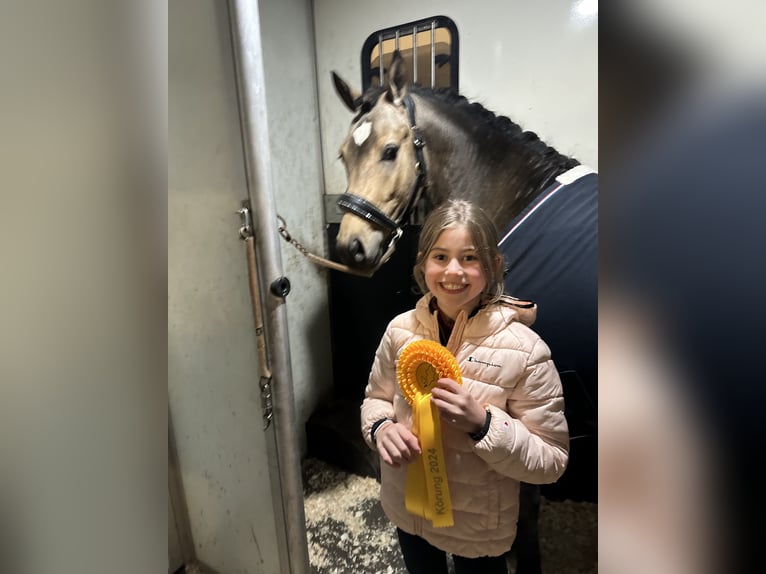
(396, 41)
(248, 49)
(415, 54)
(380, 57)
(433, 53)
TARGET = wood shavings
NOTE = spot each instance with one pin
(349, 534)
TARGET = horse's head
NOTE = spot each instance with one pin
(384, 165)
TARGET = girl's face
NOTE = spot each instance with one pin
(453, 272)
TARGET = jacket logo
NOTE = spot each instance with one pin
(474, 360)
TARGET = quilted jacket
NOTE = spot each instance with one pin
(506, 367)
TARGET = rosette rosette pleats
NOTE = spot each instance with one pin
(420, 365)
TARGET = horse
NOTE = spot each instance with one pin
(410, 145)
(406, 141)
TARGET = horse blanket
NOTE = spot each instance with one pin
(551, 255)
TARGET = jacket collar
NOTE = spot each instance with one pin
(487, 319)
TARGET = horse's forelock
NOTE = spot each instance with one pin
(368, 101)
(372, 98)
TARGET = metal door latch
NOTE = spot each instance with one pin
(246, 230)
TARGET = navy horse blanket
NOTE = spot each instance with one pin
(551, 256)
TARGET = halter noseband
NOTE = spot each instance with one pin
(361, 207)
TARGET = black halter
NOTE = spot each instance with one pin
(359, 206)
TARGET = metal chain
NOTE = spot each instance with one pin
(289, 238)
(316, 258)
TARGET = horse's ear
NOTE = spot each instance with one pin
(350, 97)
(398, 77)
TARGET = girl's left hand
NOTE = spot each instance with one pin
(457, 407)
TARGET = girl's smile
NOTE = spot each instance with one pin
(453, 272)
(454, 287)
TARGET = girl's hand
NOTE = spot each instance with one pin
(457, 407)
(396, 444)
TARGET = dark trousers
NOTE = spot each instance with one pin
(527, 543)
(422, 558)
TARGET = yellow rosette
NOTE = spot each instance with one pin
(420, 365)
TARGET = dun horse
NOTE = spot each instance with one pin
(407, 141)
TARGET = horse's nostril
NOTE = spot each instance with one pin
(356, 250)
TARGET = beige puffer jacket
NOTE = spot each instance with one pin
(506, 366)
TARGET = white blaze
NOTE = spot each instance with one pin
(362, 132)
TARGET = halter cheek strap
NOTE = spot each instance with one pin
(366, 210)
(420, 162)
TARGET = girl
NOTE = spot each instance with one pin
(503, 425)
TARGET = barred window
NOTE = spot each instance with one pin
(428, 46)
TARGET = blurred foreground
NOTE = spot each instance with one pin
(682, 285)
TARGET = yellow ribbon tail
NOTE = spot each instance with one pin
(427, 491)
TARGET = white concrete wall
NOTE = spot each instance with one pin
(535, 62)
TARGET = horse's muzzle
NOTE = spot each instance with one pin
(354, 253)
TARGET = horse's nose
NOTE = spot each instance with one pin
(356, 250)
(358, 253)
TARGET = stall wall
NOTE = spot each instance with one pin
(225, 458)
(289, 68)
(215, 411)
(536, 62)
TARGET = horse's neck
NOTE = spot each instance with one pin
(503, 183)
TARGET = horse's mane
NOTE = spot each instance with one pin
(501, 131)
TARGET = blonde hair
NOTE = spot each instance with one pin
(455, 213)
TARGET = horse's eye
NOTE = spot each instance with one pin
(389, 153)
